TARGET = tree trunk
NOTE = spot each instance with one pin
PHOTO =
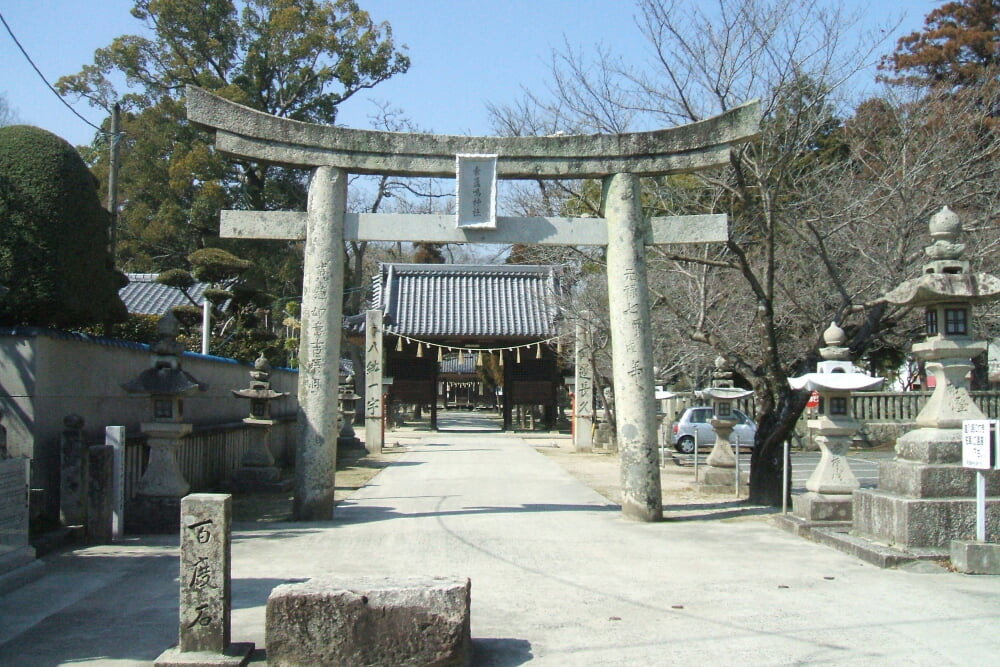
(767, 462)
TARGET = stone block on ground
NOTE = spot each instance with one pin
(973, 557)
(371, 621)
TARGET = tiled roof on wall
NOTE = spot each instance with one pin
(144, 296)
(430, 300)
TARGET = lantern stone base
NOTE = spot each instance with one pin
(820, 507)
(933, 480)
(349, 442)
(720, 481)
(259, 479)
(973, 557)
(153, 515)
(918, 523)
(604, 438)
(925, 498)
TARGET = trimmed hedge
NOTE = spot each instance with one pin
(53, 235)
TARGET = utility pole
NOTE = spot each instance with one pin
(116, 120)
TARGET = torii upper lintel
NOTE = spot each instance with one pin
(255, 135)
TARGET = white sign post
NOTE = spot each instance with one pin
(979, 452)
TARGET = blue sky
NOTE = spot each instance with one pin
(464, 53)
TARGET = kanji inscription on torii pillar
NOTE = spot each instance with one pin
(619, 160)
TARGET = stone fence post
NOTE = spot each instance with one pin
(73, 473)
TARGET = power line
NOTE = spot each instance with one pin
(42, 76)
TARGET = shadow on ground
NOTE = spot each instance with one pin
(368, 514)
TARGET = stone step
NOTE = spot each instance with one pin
(881, 555)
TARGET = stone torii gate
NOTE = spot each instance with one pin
(333, 152)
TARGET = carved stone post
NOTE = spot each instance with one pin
(373, 381)
(205, 608)
(322, 294)
(632, 350)
(583, 415)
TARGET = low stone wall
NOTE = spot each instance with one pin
(47, 374)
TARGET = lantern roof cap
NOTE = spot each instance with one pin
(724, 393)
(946, 277)
(825, 382)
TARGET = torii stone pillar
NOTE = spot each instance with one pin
(632, 350)
(335, 151)
(319, 368)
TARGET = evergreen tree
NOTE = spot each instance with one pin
(296, 59)
(960, 43)
(54, 256)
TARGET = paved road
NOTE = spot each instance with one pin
(863, 464)
(558, 578)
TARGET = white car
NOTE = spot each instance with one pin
(694, 426)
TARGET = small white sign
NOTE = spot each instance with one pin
(978, 447)
(476, 191)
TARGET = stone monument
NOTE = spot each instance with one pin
(156, 507)
(925, 498)
(829, 488)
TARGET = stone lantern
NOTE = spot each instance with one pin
(722, 394)
(348, 405)
(925, 498)
(829, 488)
(257, 467)
(158, 493)
(260, 393)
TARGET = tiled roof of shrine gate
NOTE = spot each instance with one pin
(456, 300)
